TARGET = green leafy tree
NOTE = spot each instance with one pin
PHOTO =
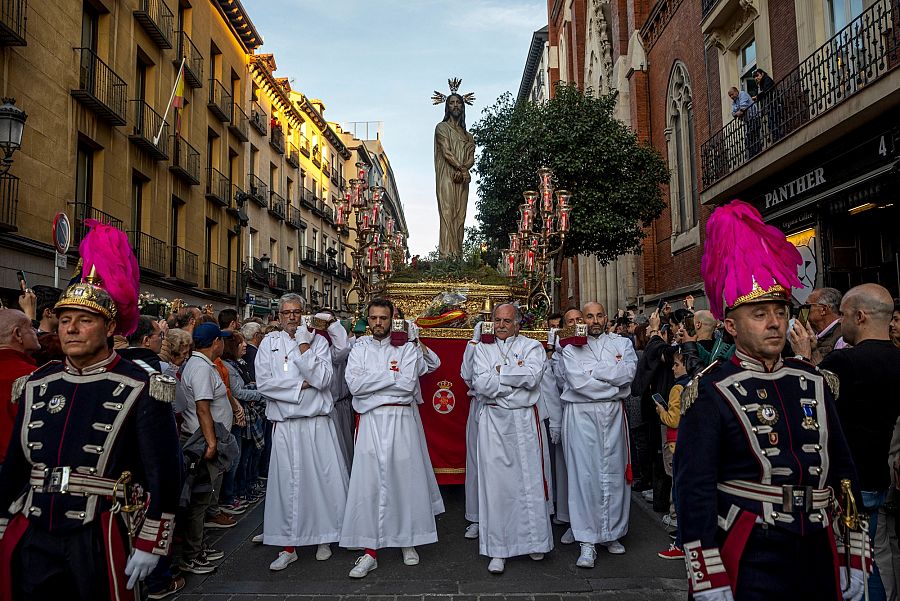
(614, 178)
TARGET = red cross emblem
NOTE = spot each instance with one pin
(443, 399)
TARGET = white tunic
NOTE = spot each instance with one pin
(307, 486)
(513, 464)
(390, 502)
(595, 436)
(342, 414)
(465, 371)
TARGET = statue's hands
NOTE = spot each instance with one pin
(458, 177)
(467, 178)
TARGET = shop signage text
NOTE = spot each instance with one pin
(802, 184)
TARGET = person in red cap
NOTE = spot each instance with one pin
(92, 470)
(761, 461)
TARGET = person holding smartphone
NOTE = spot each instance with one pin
(669, 413)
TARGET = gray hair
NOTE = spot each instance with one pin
(251, 330)
(830, 297)
(518, 316)
(291, 297)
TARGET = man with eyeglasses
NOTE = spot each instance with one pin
(144, 344)
(307, 483)
(824, 305)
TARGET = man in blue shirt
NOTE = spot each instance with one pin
(743, 108)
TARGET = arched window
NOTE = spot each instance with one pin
(683, 193)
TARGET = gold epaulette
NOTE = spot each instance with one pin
(834, 383)
(162, 388)
(18, 387)
(692, 389)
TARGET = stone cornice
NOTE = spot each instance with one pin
(239, 22)
(659, 17)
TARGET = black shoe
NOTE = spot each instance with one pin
(198, 565)
(175, 585)
(210, 554)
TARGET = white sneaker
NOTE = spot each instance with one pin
(670, 521)
(536, 556)
(258, 539)
(364, 564)
(567, 538)
(587, 557)
(472, 530)
(410, 556)
(497, 565)
(283, 560)
(323, 552)
(615, 547)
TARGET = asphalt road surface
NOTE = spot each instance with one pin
(450, 570)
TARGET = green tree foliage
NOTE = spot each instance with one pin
(614, 178)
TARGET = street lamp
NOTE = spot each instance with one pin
(543, 225)
(12, 126)
(264, 262)
(376, 238)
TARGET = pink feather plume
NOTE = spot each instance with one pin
(741, 247)
(107, 249)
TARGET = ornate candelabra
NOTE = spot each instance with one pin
(543, 224)
(376, 240)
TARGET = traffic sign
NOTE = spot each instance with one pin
(62, 233)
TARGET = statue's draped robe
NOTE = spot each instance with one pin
(453, 146)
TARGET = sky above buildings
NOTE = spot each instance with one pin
(381, 60)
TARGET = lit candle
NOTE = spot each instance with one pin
(376, 193)
(365, 220)
(371, 260)
(530, 197)
(511, 264)
(546, 177)
(389, 227)
(547, 198)
(529, 260)
(514, 241)
(563, 197)
(563, 219)
(398, 239)
(339, 218)
(376, 210)
(548, 224)
(525, 212)
(386, 266)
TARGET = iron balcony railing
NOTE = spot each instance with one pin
(276, 205)
(308, 199)
(259, 191)
(304, 145)
(184, 266)
(335, 178)
(316, 156)
(858, 55)
(319, 208)
(150, 131)
(321, 261)
(258, 118)
(219, 100)
(707, 6)
(193, 60)
(277, 278)
(296, 285)
(309, 256)
(152, 253)
(257, 273)
(100, 88)
(326, 170)
(276, 140)
(294, 218)
(232, 200)
(328, 212)
(9, 202)
(85, 211)
(218, 186)
(185, 161)
(239, 123)
(292, 156)
(157, 20)
(218, 278)
(12, 22)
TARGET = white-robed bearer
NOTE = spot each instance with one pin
(342, 414)
(307, 486)
(389, 503)
(563, 337)
(513, 463)
(465, 372)
(598, 377)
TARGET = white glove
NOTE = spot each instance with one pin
(555, 434)
(304, 335)
(721, 593)
(139, 566)
(854, 590)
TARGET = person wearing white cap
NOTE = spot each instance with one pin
(389, 503)
(308, 479)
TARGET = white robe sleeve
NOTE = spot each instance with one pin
(316, 367)
(550, 395)
(368, 377)
(522, 378)
(466, 367)
(579, 370)
(269, 380)
(621, 372)
(485, 377)
(432, 361)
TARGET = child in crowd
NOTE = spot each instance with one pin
(670, 416)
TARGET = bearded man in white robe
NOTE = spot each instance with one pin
(598, 378)
(389, 503)
(513, 463)
(307, 486)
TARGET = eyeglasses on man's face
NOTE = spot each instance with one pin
(292, 313)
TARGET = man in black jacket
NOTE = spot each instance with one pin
(868, 405)
(144, 344)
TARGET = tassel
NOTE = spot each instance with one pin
(18, 387)
(629, 476)
(162, 388)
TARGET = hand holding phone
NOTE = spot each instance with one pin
(22, 283)
(659, 400)
(803, 314)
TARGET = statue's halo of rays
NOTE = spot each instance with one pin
(454, 83)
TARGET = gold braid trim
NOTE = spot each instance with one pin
(18, 387)
(162, 388)
(834, 383)
(692, 389)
